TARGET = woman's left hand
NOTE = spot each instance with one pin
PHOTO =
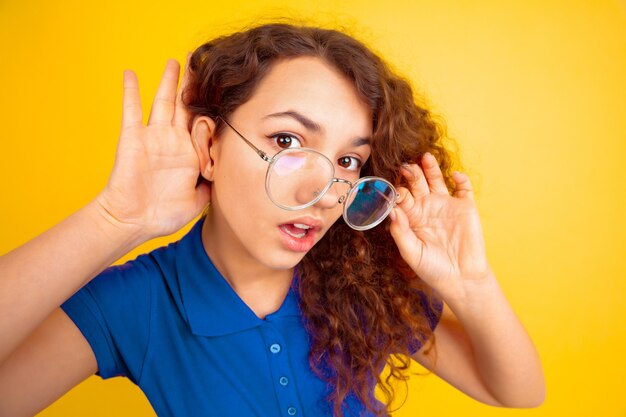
(439, 235)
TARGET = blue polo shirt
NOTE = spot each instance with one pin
(170, 323)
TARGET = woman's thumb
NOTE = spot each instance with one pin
(402, 234)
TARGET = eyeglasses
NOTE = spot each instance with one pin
(299, 177)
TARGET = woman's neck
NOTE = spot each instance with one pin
(262, 288)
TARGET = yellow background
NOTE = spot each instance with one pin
(534, 92)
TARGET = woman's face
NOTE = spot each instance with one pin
(300, 102)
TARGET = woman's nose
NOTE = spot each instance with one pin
(332, 197)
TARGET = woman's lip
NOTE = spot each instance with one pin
(312, 222)
(298, 244)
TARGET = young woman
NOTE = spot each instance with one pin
(271, 304)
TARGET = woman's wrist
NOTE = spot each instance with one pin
(127, 235)
(473, 294)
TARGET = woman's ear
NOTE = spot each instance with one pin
(202, 137)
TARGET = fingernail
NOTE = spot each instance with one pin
(392, 215)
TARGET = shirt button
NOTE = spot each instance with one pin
(291, 411)
(275, 348)
(283, 381)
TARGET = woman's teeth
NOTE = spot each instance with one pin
(296, 230)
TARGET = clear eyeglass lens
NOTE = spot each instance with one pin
(369, 201)
(297, 177)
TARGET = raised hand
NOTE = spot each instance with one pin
(439, 235)
(153, 183)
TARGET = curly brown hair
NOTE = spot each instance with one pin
(362, 306)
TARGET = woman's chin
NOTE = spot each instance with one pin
(283, 260)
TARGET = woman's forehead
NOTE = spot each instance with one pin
(313, 88)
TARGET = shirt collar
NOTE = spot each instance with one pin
(213, 308)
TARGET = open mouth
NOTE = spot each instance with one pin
(297, 230)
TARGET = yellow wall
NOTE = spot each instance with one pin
(534, 92)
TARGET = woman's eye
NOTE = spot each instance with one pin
(350, 163)
(285, 141)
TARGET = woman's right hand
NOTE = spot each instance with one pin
(151, 192)
(152, 188)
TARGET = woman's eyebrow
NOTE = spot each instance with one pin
(313, 126)
(299, 117)
(360, 142)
